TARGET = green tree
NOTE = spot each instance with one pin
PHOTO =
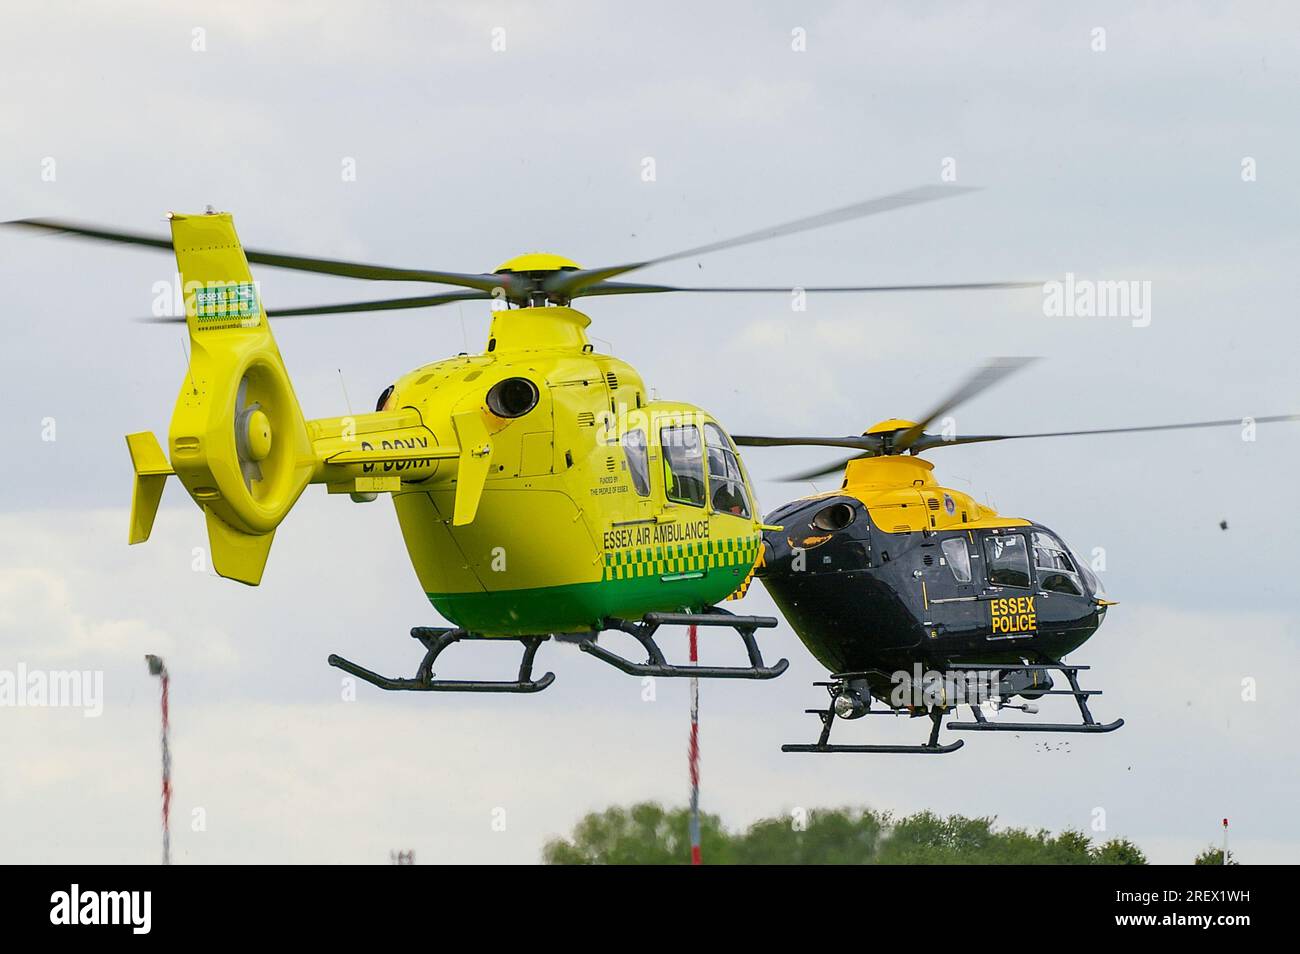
(1214, 856)
(649, 834)
(829, 837)
(644, 834)
(1118, 851)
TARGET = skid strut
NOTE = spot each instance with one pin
(435, 640)
(656, 665)
(1089, 724)
(846, 682)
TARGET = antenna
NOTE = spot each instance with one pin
(185, 351)
(156, 668)
(693, 754)
(344, 384)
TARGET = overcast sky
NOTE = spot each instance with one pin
(1118, 163)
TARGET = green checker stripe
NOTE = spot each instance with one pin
(695, 556)
(231, 302)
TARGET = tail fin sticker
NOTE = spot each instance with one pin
(219, 305)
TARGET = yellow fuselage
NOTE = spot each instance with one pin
(565, 534)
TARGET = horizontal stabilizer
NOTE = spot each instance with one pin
(151, 473)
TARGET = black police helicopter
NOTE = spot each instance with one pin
(922, 598)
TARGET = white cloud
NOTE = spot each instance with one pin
(285, 770)
(1126, 161)
(51, 613)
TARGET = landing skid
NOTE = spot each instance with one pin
(827, 716)
(842, 683)
(435, 640)
(657, 665)
(1088, 725)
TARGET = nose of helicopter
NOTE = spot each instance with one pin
(821, 526)
(778, 549)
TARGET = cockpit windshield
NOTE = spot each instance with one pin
(726, 482)
(1090, 578)
(1093, 580)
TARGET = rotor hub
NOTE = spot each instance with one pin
(527, 278)
(254, 430)
(536, 262)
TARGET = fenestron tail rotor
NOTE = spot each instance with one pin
(902, 436)
(252, 435)
(539, 279)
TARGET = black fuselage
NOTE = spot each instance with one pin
(865, 600)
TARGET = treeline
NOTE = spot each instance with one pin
(649, 834)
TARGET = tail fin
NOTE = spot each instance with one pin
(238, 440)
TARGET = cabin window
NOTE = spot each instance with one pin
(958, 558)
(638, 461)
(683, 464)
(1007, 560)
(1056, 570)
(726, 482)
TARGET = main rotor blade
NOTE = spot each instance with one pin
(977, 383)
(642, 288)
(326, 266)
(571, 284)
(871, 444)
(861, 442)
(930, 441)
(384, 304)
(825, 471)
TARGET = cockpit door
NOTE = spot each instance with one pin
(1010, 596)
(950, 587)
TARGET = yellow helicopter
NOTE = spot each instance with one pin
(540, 491)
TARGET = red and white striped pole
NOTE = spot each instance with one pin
(156, 668)
(695, 754)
